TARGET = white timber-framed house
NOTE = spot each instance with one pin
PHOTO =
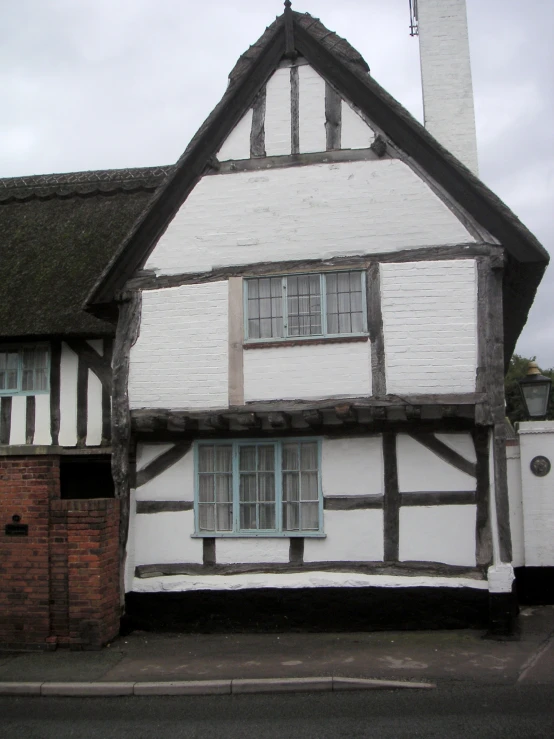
(313, 312)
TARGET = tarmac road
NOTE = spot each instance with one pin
(448, 712)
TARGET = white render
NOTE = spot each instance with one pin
(446, 77)
(94, 410)
(318, 211)
(267, 550)
(516, 504)
(421, 470)
(501, 578)
(165, 538)
(17, 426)
(351, 536)
(181, 356)
(311, 106)
(311, 371)
(430, 326)
(537, 439)
(68, 397)
(42, 419)
(237, 144)
(175, 483)
(278, 114)
(355, 133)
(353, 466)
(444, 533)
(299, 580)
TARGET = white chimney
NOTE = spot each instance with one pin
(446, 77)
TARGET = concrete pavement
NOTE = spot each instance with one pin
(158, 663)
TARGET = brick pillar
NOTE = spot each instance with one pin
(91, 596)
(27, 486)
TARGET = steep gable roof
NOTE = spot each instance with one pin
(341, 65)
(57, 234)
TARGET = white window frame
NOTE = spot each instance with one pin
(236, 531)
(323, 308)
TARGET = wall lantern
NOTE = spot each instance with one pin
(535, 391)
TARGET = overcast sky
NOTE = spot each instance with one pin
(101, 84)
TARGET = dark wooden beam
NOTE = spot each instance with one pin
(82, 400)
(408, 569)
(162, 463)
(294, 111)
(278, 420)
(333, 118)
(257, 133)
(5, 419)
(107, 397)
(208, 552)
(30, 415)
(430, 441)
(95, 362)
(164, 506)
(458, 497)
(218, 422)
(313, 418)
(375, 327)
(346, 413)
(391, 515)
(246, 420)
(296, 550)
(483, 533)
(352, 502)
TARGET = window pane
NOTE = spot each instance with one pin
(308, 486)
(265, 308)
(206, 492)
(309, 456)
(8, 370)
(266, 487)
(291, 517)
(206, 459)
(206, 519)
(266, 458)
(224, 518)
(290, 486)
(290, 456)
(223, 488)
(247, 488)
(309, 516)
(223, 458)
(267, 516)
(344, 299)
(248, 517)
(247, 458)
(357, 323)
(304, 305)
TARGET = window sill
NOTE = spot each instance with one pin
(259, 535)
(21, 393)
(303, 342)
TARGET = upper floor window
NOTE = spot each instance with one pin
(23, 370)
(309, 305)
(258, 488)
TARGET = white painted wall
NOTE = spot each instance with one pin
(355, 133)
(316, 211)
(68, 397)
(516, 504)
(444, 533)
(352, 466)
(231, 551)
(430, 326)
(237, 144)
(311, 371)
(181, 357)
(94, 410)
(42, 419)
(278, 114)
(164, 538)
(311, 110)
(18, 423)
(421, 470)
(537, 439)
(446, 77)
(175, 483)
(351, 536)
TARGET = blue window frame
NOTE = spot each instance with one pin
(330, 304)
(24, 370)
(258, 488)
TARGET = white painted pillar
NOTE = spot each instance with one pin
(446, 77)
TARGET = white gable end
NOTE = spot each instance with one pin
(310, 212)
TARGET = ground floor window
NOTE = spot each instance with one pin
(258, 488)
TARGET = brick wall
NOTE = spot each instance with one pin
(59, 584)
(27, 485)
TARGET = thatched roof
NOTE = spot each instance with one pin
(57, 234)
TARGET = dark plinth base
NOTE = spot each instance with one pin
(309, 609)
(535, 585)
(503, 611)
